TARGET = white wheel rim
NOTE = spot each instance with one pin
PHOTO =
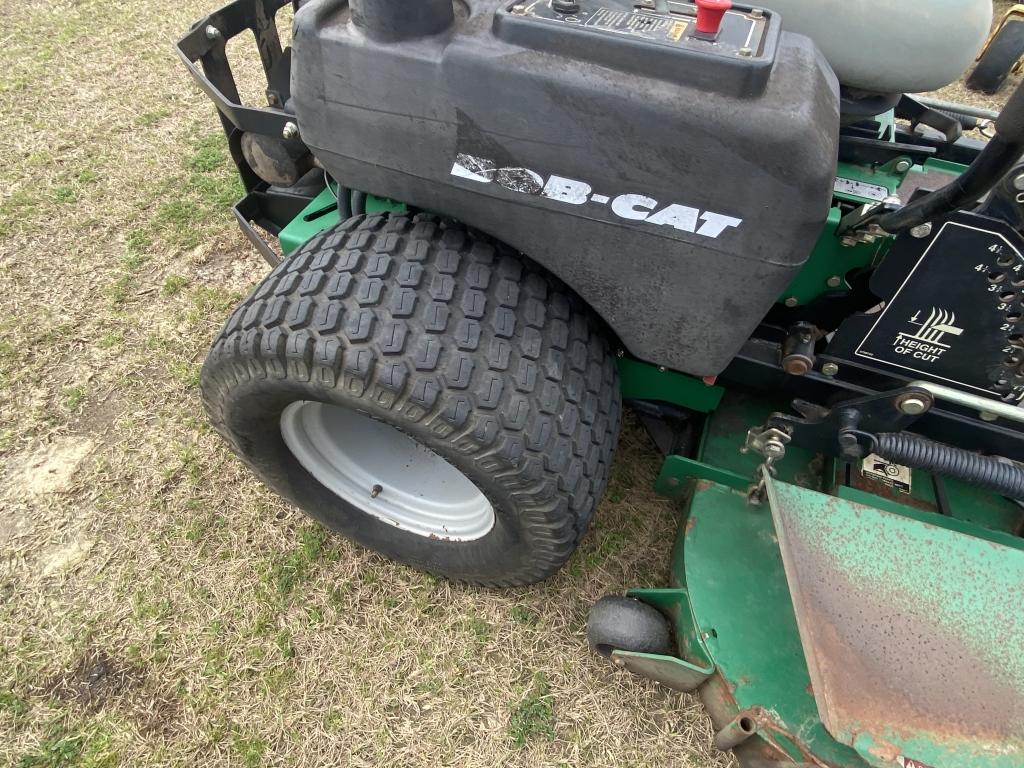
(385, 473)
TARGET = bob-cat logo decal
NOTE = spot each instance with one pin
(633, 207)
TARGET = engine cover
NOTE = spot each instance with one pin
(676, 183)
(952, 310)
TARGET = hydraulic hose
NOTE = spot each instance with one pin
(988, 472)
(996, 160)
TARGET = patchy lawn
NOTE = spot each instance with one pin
(157, 605)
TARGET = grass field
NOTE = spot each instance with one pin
(157, 605)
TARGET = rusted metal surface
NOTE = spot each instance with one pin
(913, 633)
(737, 730)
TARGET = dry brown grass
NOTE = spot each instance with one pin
(157, 605)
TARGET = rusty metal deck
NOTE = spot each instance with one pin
(913, 630)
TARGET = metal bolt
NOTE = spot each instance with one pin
(290, 131)
(893, 200)
(987, 416)
(1018, 182)
(661, 369)
(792, 301)
(921, 230)
(745, 52)
(913, 405)
(519, 9)
(619, 661)
(212, 33)
(756, 13)
(834, 282)
(902, 166)
(375, 491)
(830, 369)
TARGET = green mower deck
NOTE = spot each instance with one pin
(839, 626)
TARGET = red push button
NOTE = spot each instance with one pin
(709, 16)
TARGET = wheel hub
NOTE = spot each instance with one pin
(385, 473)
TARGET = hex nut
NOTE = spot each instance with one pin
(921, 230)
(830, 369)
(290, 131)
(212, 33)
(902, 166)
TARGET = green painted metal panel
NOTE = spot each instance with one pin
(830, 259)
(720, 458)
(956, 523)
(321, 213)
(641, 381)
(725, 433)
(741, 615)
(933, 163)
(913, 630)
(676, 470)
(733, 572)
(674, 602)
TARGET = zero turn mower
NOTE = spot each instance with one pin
(497, 221)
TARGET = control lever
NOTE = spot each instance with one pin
(709, 17)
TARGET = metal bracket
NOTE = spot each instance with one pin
(848, 429)
(769, 442)
(859, 225)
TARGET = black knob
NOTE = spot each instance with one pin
(565, 6)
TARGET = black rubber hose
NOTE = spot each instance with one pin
(344, 202)
(358, 203)
(995, 161)
(1010, 123)
(988, 472)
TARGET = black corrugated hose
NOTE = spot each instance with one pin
(989, 472)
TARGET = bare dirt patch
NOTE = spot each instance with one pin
(96, 680)
(93, 680)
(48, 469)
(65, 557)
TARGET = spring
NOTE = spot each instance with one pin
(989, 472)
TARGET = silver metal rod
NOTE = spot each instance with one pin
(980, 404)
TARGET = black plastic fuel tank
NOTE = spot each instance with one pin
(676, 182)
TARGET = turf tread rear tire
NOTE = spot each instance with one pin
(458, 341)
